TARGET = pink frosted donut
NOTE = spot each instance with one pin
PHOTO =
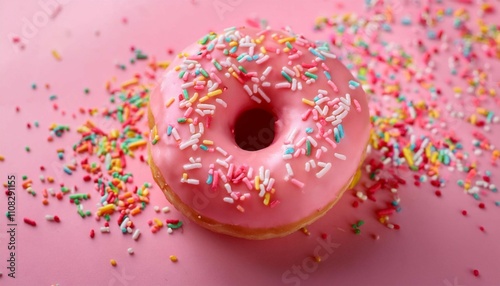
(256, 133)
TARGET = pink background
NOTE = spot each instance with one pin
(435, 246)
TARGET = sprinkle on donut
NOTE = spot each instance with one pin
(201, 98)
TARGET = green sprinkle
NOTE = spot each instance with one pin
(175, 226)
(78, 196)
(33, 85)
(27, 148)
(217, 65)
(86, 90)
(204, 73)
(185, 94)
(289, 45)
(357, 231)
(25, 177)
(182, 120)
(311, 75)
(204, 40)
(286, 76)
(181, 74)
(242, 69)
(360, 223)
(308, 148)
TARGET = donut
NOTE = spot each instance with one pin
(256, 133)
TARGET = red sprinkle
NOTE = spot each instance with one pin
(476, 272)
(481, 205)
(464, 212)
(29, 221)
(92, 233)
(438, 193)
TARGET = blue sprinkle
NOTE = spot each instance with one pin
(476, 196)
(341, 130)
(497, 203)
(210, 47)
(67, 170)
(394, 203)
(255, 57)
(406, 21)
(309, 130)
(386, 27)
(353, 84)
(314, 52)
(431, 34)
(336, 135)
(203, 147)
(327, 74)
(289, 150)
(169, 130)
(209, 179)
(233, 50)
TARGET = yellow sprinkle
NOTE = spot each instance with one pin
(286, 50)
(136, 144)
(257, 183)
(170, 101)
(56, 55)
(284, 40)
(434, 157)
(189, 120)
(185, 176)
(208, 142)
(163, 64)
(113, 262)
(233, 43)
(482, 111)
(317, 258)
(205, 98)
(267, 196)
(194, 98)
(173, 258)
(240, 208)
(214, 93)
(177, 68)
(130, 82)
(408, 156)
(2, 158)
(305, 231)
(109, 208)
(263, 50)
(158, 222)
(308, 102)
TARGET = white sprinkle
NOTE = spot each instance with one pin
(313, 164)
(255, 87)
(294, 84)
(228, 188)
(264, 96)
(221, 102)
(165, 209)
(199, 111)
(248, 90)
(191, 128)
(287, 156)
(229, 158)
(261, 172)
(285, 84)
(300, 142)
(256, 99)
(228, 200)
(291, 136)
(308, 167)
(323, 171)
(206, 106)
(136, 235)
(340, 156)
(267, 174)
(222, 163)
(188, 143)
(289, 71)
(201, 127)
(105, 229)
(267, 71)
(250, 173)
(222, 151)
(322, 91)
(328, 55)
(192, 166)
(289, 169)
(318, 153)
(193, 181)
(187, 85)
(299, 86)
(266, 84)
(263, 59)
(130, 250)
(322, 164)
(313, 142)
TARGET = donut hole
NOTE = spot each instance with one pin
(254, 129)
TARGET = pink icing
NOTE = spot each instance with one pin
(237, 202)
